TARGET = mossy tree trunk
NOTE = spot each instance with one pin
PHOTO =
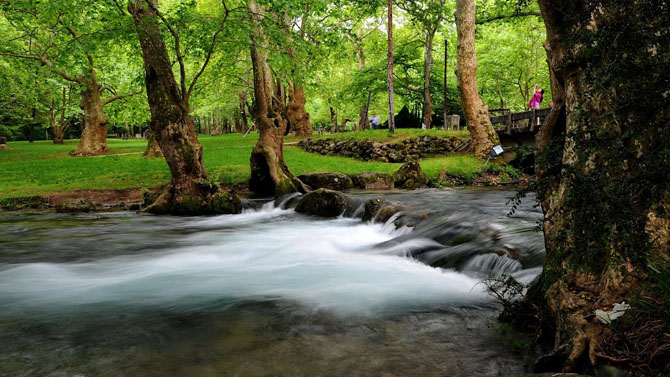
(603, 170)
(270, 176)
(475, 111)
(188, 193)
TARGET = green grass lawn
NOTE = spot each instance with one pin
(40, 168)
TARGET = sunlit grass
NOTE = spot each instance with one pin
(39, 168)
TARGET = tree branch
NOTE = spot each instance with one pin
(120, 96)
(187, 95)
(48, 63)
(506, 16)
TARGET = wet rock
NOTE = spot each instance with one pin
(373, 181)
(410, 176)
(75, 206)
(331, 181)
(323, 202)
(381, 209)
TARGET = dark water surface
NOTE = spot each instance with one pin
(265, 293)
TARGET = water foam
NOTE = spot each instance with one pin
(274, 254)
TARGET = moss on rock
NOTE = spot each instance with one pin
(75, 206)
(323, 202)
(23, 202)
(373, 181)
(410, 176)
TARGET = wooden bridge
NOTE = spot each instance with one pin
(510, 123)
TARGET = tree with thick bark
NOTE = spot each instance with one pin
(603, 183)
(475, 110)
(94, 135)
(270, 176)
(297, 117)
(189, 191)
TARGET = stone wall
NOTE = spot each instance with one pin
(400, 151)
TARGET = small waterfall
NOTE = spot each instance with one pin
(493, 265)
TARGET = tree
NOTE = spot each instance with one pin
(173, 127)
(429, 16)
(270, 176)
(604, 184)
(390, 66)
(59, 125)
(476, 112)
(44, 32)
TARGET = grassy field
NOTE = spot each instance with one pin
(41, 168)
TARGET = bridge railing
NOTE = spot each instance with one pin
(513, 122)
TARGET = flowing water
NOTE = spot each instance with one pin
(265, 293)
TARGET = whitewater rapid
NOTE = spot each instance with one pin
(272, 254)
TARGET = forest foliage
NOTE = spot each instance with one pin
(337, 50)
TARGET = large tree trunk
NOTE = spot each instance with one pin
(474, 109)
(174, 129)
(93, 141)
(270, 176)
(605, 193)
(298, 118)
(427, 66)
(153, 150)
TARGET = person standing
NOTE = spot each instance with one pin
(536, 101)
(375, 122)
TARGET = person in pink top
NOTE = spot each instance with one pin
(536, 101)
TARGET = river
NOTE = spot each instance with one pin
(268, 292)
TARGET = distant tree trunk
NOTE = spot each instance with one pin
(298, 118)
(446, 65)
(243, 112)
(93, 141)
(360, 53)
(270, 176)
(333, 118)
(474, 109)
(60, 126)
(390, 66)
(427, 67)
(174, 129)
(605, 200)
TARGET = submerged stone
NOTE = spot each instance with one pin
(381, 209)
